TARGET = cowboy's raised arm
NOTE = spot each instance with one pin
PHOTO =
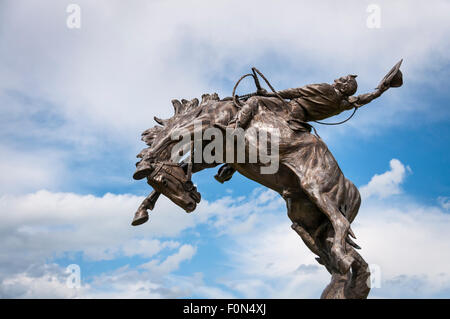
(363, 99)
(393, 78)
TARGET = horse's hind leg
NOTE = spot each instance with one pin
(317, 233)
(314, 229)
(352, 285)
(358, 287)
(324, 184)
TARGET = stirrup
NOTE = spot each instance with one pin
(224, 174)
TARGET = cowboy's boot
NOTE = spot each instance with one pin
(225, 173)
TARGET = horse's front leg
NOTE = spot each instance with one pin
(141, 215)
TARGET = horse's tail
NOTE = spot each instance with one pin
(352, 200)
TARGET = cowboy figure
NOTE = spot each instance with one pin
(314, 102)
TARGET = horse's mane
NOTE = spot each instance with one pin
(184, 112)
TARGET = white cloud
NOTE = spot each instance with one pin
(267, 262)
(408, 241)
(89, 93)
(172, 262)
(24, 170)
(388, 183)
(46, 286)
(444, 201)
(114, 79)
(42, 224)
(99, 86)
(127, 283)
(43, 281)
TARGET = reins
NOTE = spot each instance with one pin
(341, 122)
(235, 100)
(188, 175)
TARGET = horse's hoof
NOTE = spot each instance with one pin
(140, 217)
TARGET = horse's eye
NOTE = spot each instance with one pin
(165, 182)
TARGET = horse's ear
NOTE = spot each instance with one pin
(210, 97)
(176, 106)
(160, 121)
(194, 103)
(185, 105)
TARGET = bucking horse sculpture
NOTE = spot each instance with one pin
(321, 202)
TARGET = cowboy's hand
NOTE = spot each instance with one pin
(262, 92)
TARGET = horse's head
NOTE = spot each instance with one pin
(166, 175)
(171, 180)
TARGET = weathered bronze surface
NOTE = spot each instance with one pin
(321, 202)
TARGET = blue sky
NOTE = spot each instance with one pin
(73, 103)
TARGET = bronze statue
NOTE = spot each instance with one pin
(320, 201)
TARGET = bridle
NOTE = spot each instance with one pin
(165, 166)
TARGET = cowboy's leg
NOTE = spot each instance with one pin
(242, 119)
(246, 113)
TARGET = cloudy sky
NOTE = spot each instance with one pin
(74, 101)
